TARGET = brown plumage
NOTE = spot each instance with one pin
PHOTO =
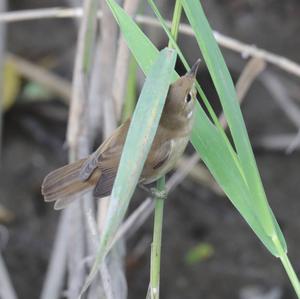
(97, 172)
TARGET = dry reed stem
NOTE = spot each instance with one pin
(78, 142)
(122, 62)
(113, 269)
(294, 144)
(277, 143)
(281, 96)
(107, 63)
(54, 280)
(244, 49)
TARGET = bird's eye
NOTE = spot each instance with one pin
(188, 97)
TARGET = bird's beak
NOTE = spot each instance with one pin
(193, 71)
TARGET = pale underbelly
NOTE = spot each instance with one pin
(178, 146)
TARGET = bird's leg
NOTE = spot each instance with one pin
(154, 192)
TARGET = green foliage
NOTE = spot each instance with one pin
(226, 91)
(233, 181)
(233, 167)
(208, 140)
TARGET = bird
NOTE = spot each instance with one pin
(97, 172)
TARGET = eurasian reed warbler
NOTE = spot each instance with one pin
(98, 170)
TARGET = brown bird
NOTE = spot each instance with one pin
(97, 172)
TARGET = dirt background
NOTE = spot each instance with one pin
(239, 267)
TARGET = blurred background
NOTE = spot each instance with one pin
(208, 250)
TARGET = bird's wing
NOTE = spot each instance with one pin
(105, 183)
(109, 150)
(161, 155)
(158, 156)
(110, 161)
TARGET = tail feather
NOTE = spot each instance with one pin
(63, 184)
(61, 176)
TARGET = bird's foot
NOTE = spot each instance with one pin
(154, 192)
(159, 194)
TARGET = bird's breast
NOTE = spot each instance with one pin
(178, 146)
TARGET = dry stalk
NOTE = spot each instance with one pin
(78, 139)
(54, 280)
(78, 142)
(235, 45)
(277, 143)
(281, 96)
(112, 270)
(294, 143)
(121, 69)
(107, 65)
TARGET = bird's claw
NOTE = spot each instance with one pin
(159, 194)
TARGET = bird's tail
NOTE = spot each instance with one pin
(63, 184)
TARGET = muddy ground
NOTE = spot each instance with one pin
(239, 266)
